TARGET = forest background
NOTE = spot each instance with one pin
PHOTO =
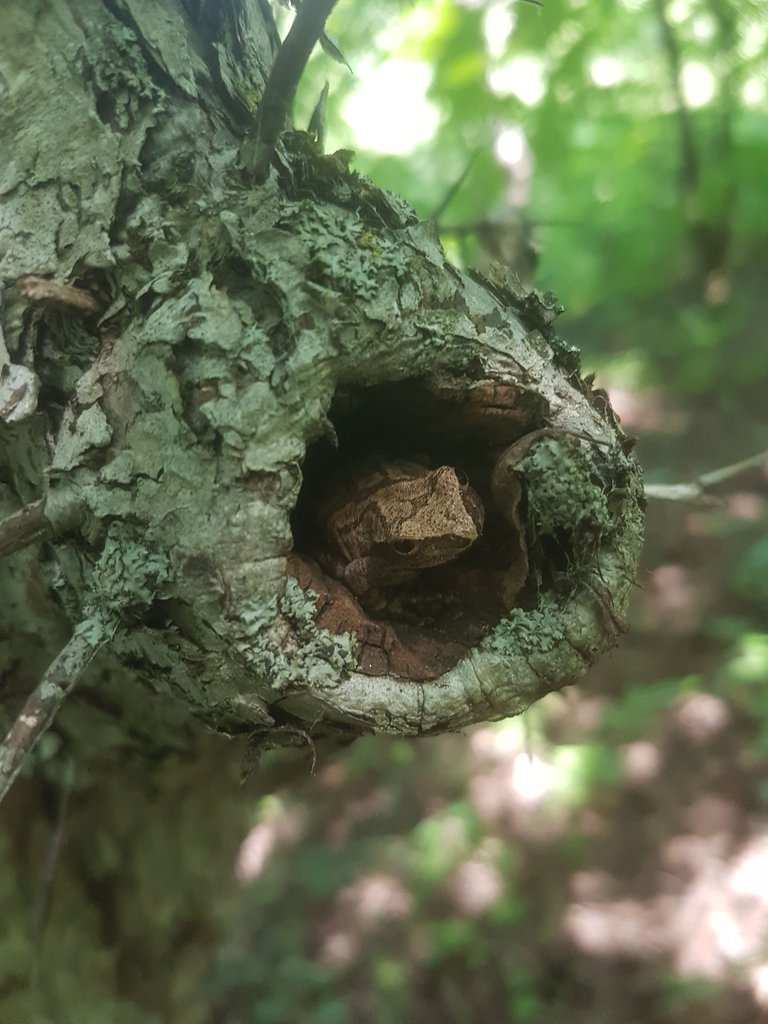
(603, 858)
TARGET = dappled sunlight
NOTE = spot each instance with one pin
(497, 743)
(507, 778)
(388, 110)
(339, 948)
(646, 410)
(279, 826)
(753, 38)
(512, 151)
(619, 929)
(522, 77)
(529, 792)
(703, 27)
(754, 92)
(746, 505)
(641, 762)
(698, 84)
(477, 885)
(511, 148)
(680, 11)
(358, 909)
(711, 917)
(532, 778)
(700, 716)
(722, 917)
(498, 22)
(607, 71)
(376, 898)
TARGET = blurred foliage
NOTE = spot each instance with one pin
(642, 167)
(590, 862)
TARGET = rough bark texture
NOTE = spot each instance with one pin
(208, 330)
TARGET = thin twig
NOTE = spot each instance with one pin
(24, 528)
(698, 491)
(499, 224)
(445, 202)
(317, 122)
(45, 700)
(281, 85)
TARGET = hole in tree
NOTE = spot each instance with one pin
(383, 526)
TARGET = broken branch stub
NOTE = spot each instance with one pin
(525, 607)
(382, 496)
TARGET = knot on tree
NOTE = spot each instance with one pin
(435, 509)
(464, 543)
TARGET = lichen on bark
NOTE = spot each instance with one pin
(233, 319)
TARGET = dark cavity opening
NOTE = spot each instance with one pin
(410, 619)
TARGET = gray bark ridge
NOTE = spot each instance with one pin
(176, 420)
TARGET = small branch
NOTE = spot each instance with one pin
(24, 528)
(445, 202)
(498, 224)
(317, 122)
(281, 85)
(58, 681)
(698, 492)
(40, 291)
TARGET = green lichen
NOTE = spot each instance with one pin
(281, 641)
(346, 255)
(128, 577)
(523, 633)
(126, 81)
(568, 486)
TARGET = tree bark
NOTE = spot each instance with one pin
(183, 342)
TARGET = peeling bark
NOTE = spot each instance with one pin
(192, 333)
(233, 315)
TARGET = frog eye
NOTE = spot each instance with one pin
(462, 478)
(404, 547)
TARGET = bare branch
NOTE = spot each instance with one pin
(281, 85)
(23, 528)
(58, 681)
(698, 492)
(445, 202)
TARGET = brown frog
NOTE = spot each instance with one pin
(387, 521)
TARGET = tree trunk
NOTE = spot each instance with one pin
(200, 350)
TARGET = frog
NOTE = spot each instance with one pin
(384, 523)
